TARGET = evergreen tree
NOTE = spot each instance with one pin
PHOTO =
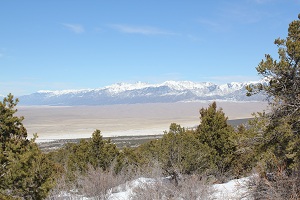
(24, 171)
(149, 151)
(281, 135)
(127, 162)
(182, 153)
(102, 152)
(246, 154)
(78, 157)
(219, 136)
(97, 152)
(11, 127)
(177, 152)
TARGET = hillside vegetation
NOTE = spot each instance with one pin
(189, 159)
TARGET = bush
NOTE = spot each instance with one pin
(275, 186)
(189, 187)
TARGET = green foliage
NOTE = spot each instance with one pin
(127, 162)
(30, 174)
(281, 140)
(100, 153)
(246, 154)
(94, 148)
(220, 137)
(77, 159)
(97, 152)
(183, 152)
(8, 197)
(25, 172)
(178, 152)
(11, 126)
(149, 151)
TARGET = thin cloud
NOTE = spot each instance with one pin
(245, 14)
(209, 23)
(213, 25)
(76, 28)
(144, 30)
(230, 15)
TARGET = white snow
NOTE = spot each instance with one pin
(232, 190)
(198, 87)
(62, 92)
(128, 92)
(186, 85)
(121, 87)
(125, 191)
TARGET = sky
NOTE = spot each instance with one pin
(80, 44)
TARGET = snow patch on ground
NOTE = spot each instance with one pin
(234, 190)
(126, 191)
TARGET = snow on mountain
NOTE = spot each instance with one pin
(121, 87)
(140, 92)
(62, 92)
(186, 85)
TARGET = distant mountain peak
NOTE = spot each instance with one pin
(121, 87)
(141, 92)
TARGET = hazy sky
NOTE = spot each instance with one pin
(77, 44)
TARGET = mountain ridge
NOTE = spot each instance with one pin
(140, 92)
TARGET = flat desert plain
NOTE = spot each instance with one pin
(70, 122)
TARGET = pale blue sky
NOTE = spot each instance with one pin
(77, 44)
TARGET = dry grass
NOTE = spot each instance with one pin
(98, 184)
(189, 187)
(275, 186)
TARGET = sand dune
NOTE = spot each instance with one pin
(56, 122)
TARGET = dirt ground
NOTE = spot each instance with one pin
(70, 122)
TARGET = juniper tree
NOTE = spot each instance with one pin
(97, 152)
(218, 135)
(24, 171)
(281, 137)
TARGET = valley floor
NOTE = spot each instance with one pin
(71, 122)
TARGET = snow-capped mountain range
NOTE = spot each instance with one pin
(125, 93)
